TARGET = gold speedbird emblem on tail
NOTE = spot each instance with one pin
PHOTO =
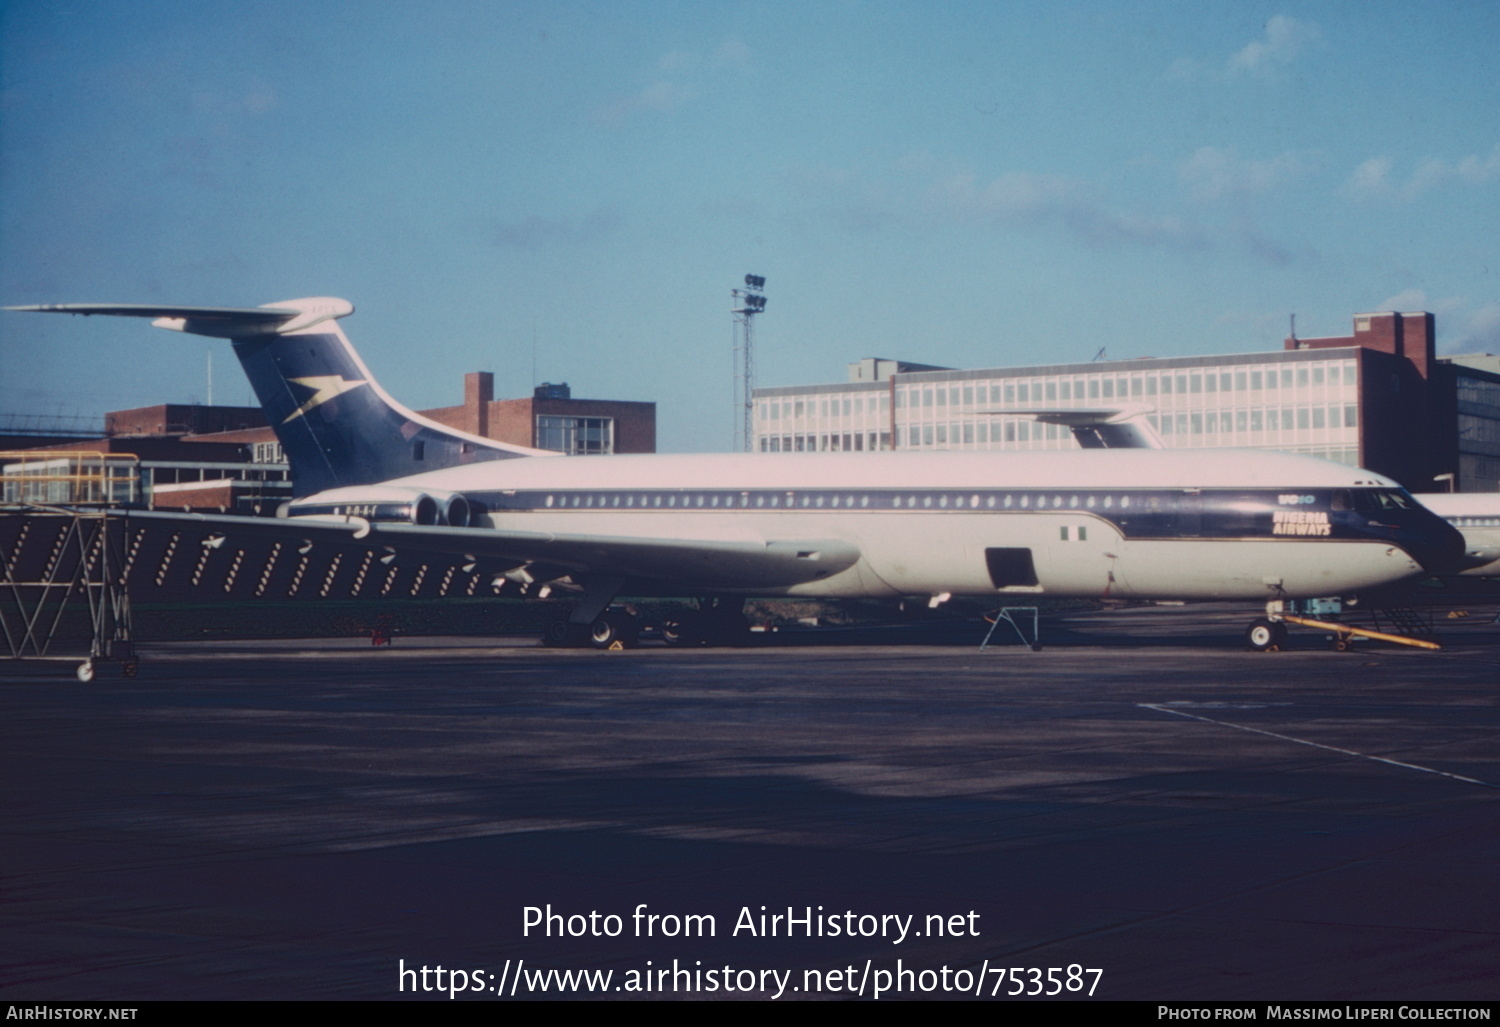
(325, 387)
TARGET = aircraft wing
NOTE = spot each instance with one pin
(339, 551)
(698, 563)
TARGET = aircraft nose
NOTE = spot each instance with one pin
(1437, 545)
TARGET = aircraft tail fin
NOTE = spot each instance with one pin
(1118, 427)
(335, 423)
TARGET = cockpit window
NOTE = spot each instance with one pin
(1381, 499)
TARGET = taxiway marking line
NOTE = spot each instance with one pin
(1319, 745)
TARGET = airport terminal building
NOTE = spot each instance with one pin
(1378, 398)
(217, 458)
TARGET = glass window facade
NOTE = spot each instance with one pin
(1299, 402)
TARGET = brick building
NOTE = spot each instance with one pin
(551, 419)
(227, 458)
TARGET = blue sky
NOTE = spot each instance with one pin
(568, 191)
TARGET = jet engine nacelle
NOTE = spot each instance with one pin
(384, 504)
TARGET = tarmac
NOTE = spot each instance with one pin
(1142, 810)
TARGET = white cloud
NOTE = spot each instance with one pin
(1285, 39)
(1373, 179)
(1409, 300)
(1212, 173)
(1477, 171)
(1472, 170)
(1462, 328)
(1405, 300)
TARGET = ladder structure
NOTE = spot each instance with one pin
(1405, 620)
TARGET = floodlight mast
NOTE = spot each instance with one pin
(745, 304)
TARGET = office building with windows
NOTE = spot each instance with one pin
(1378, 398)
(228, 459)
(552, 419)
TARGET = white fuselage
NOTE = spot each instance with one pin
(929, 523)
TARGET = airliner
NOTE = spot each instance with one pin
(1125, 523)
(1475, 514)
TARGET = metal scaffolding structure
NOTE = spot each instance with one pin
(68, 575)
(56, 567)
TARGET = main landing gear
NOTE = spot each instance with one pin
(612, 629)
(711, 622)
(714, 622)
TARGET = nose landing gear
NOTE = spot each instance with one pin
(1266, 635)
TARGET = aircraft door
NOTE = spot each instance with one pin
(1011, 567)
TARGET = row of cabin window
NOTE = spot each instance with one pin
(836, 501)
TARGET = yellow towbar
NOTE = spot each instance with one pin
(1343, 632)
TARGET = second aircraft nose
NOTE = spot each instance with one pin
(1437, 545)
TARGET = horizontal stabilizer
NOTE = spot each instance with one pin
(1118, 427)
(217, 322)
(1080, 416)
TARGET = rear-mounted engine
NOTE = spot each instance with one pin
(384, 505)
